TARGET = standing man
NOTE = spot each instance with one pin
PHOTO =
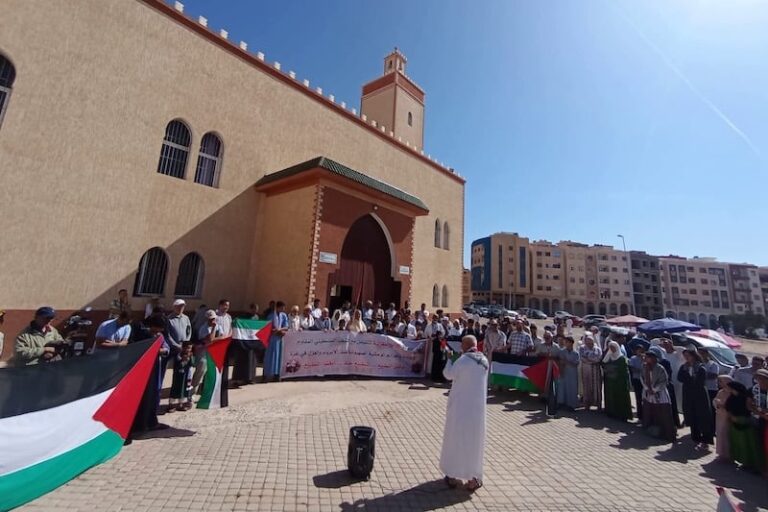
(569, 326)
(179, 327)
(120, 305)
(114, 333)
(208, 333)
(317, 311)
(520, 342)
(495, 339)
(746, 375)
(36, 342)
(464, 438)
(223, 320)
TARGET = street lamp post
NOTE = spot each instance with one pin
(629, 270)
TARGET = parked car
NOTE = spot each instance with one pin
(593, 320)
(537, 314)
(523, 311)
(722, 354)
(562, 316)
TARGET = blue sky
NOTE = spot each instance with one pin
(572, 119)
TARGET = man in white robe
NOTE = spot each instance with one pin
(464, 438)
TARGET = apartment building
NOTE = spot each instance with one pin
(745, 289)
(695, 289)
(646, 285)
(500, 270)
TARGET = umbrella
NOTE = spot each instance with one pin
(629, 320)
(663, 325)
(716, 336)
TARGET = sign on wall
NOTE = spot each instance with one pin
(319, 353)
(406, 271)
(328, 257)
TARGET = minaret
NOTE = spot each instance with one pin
(394, 101)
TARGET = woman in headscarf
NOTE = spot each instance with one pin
(591, 373)
(357, 324)
(697, 408)
(744, 445)
(664, 361)
(617, 403)
(568, 385)
(722, 421)
(657, 404)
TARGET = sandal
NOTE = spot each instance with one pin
(450, 482)
(474, 485)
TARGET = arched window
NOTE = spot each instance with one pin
(189, 281)
(446, 236)
(410, 119)
(175, 150)
(444, 302)
(435, 296)
(438, 231)
(153, 267)
(7, 76)
(209, 161)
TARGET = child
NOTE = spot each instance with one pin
(722, 420)
(636, 378)
(181, 388)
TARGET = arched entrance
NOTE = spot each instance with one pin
(590, 308)
(365, 267)
(624, 309)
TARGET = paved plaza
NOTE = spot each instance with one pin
(283, 447)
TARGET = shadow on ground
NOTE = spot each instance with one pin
(427, 496)
(334, 480)
(749, 488)
(165, 433)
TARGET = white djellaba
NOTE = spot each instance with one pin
(464, 436)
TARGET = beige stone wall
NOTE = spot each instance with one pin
(378, 106)
(413, 134)
(96, 84)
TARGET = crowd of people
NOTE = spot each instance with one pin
(598, 371)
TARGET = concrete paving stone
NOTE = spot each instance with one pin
(278, 447)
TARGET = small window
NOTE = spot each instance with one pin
(7, 77)
(209, 161)
(446, 236)
(175, 150)
(438, 232)
(189, 281)
(444, 302)
(150, 278)
(435, 296)
(410, 119)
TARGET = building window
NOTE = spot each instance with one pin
(410, 119)
(438, 232)
(175, 150)
(523, 267)
(446, 236)
(444, 301)
(150, 278)
(209, 161)
(7, 76)
(435, 296)
(189, 281)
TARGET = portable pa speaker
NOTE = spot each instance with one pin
(361, 451)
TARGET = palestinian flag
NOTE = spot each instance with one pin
(726, 503)
(213, 388)
(59, 419)
(246, 330)
(520, 372)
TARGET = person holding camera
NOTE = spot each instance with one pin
(39, 340)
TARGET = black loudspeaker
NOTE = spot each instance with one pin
(361, 451)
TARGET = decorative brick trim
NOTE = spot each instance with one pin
(314, 248)
(413, 243)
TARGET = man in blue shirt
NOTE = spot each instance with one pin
(114, 333)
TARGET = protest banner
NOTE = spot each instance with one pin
(319, 353)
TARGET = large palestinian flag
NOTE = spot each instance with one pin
(520, 372)
(244, 329)
(213, 382)
(60, 419)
